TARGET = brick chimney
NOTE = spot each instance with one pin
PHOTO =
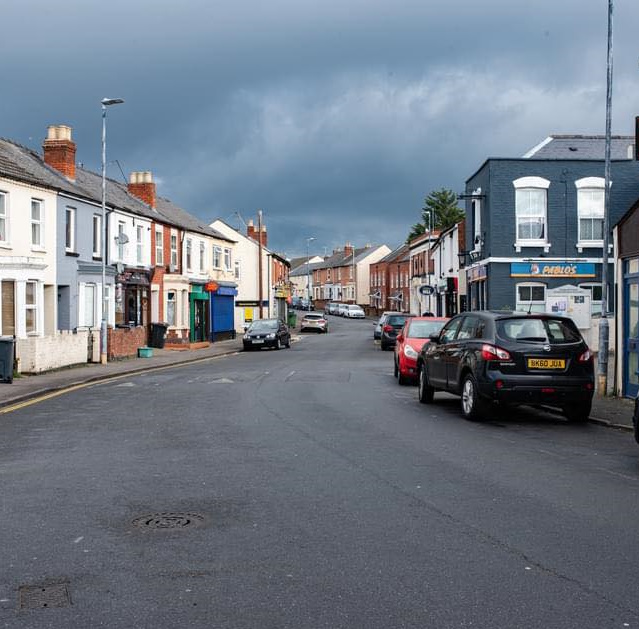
(141, 185)
(59, 150)
(348, 250)
(255, 234)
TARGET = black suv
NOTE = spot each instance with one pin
(511, 358)
(391, 327)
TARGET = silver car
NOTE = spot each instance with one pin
(314, 321)
(377, 332)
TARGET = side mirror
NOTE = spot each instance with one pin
(400, 338)
(434, 338)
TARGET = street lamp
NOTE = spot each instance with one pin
(308, 273)
(106, 102)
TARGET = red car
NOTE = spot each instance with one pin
(410, 341)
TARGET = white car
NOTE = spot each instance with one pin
(341, 310)
(354, 312)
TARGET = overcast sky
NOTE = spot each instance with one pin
(336, 118)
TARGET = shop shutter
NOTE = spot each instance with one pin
(223, 310)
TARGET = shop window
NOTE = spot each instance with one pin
(531, 297)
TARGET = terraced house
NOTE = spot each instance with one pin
(161, 264)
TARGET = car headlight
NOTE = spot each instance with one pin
(409, 352)
(270, 336)
(246, 337)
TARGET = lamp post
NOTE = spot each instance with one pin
(106, 102)
(308, 273)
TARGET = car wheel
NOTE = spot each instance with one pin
(472, 405)
(247, 348)
(288, 342)
(425, 391)
(402, 379)
(578, 413)
(278, 345)
(396, 369)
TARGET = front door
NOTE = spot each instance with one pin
(631, 334)
(199, 320)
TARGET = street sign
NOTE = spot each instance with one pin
(426, 290)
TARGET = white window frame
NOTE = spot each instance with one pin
(121, 245)
(476, 205)
(37, 225)
(217, 257)
(85, 320)
(532, 305)
(202, 257)
(171, 321)
(159, 246)
(31, 307)
(189, 254)
(96, 226)
(174, 250)
(139, 244)
(227, 259)
(4, 217)
(238, 270)
(585, 186)
(69, 229)
(530, 184)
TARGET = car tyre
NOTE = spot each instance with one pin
(278, 345)
(402, 379)
(288, 342)
(395, 369)
(472, 406)
(578, 413)
(425, 392)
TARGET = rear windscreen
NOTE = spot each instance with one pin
(423, 329)
(395, 320)
(533, 330)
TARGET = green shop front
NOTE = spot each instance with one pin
(198, 313)
(222, 309)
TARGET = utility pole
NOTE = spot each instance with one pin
(604, 332)
(354, 279)
(259, 261)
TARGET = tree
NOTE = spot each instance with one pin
(440, 209)
(442, 204)
(416, 230)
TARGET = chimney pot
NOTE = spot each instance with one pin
(142, 186)
(59, 150)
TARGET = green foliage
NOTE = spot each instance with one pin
(442, 206)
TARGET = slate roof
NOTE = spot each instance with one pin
(341, 259)
(23, 164)
(399, 254)
(300, 269)
(582, 147)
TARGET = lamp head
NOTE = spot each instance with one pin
(111, 101)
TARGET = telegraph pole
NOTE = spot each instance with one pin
(604, 332)
(259, 261)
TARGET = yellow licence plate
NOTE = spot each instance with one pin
(546, 363)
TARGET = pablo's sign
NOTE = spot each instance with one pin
(554, 269)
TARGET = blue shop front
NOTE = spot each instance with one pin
(222, 320)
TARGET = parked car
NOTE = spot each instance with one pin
(510, 358)
(341, 308)
(331, 308)
(314, 321)
(377, 331)
(391, 328)
(410, 340)
(267, 333)
(635, 418)
(354, 312)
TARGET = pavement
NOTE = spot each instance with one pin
(614, 412)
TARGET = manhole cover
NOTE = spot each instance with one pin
(43, 595)
(169, 521)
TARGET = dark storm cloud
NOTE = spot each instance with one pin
(335, 118)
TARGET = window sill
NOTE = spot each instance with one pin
(5, 245)
(591, 244)
(532, 244)
(72, 254)
(97, 258)
(38, 249)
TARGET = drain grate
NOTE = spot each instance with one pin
(163, 521)
(44, 595)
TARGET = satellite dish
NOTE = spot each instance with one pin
(122, 239)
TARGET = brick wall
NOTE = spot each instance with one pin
(124, 342)
(64, 348)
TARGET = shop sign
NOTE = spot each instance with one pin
(425, 289)
(476, 273)
(555, 269)
(211, 287)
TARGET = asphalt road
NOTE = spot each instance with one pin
(320, 494)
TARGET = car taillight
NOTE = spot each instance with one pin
(585, 357)
(388, 328)
(491, 352)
